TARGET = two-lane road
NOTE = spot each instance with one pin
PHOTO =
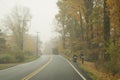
(44, 68)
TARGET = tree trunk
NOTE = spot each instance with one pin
(106, 25)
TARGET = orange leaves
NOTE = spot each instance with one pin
(114, 8)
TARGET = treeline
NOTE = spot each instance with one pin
(16, 45)
(91, 27)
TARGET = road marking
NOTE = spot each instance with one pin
(75, 69)
(29, 76)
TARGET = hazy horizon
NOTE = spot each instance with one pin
(43, 13)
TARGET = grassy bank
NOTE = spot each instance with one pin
(97, 74)
(30, 58)
(90, 69)
(92, 76)
(93, 72)
(8, 65)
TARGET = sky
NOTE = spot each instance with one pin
(43, 12)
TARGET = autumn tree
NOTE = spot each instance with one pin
(114, 14)
(89, 26)
(17, 22)
(113, 65)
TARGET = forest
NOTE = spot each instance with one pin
(91, 27)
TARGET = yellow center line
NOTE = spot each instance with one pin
(29, 76)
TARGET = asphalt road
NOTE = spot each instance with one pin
(47, 67)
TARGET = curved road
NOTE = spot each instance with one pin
(47, 67)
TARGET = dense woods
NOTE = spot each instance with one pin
(91, 27)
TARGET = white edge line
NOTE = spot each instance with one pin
(75, 69)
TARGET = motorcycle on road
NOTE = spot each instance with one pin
(74, 58)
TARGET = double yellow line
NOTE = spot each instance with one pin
(29, 76)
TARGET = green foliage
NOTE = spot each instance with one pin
(11, 56)
(6, 58)
(20, 57)
(67, 52)
(92, 76)
(113, 65)
(2, 42)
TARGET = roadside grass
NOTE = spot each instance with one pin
(5, 66)
(92, 75)
(89, 73)
(89, 68)
(8, 65)
(96, 74)
(30, 58)
(93, 72)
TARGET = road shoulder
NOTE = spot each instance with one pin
(83, 73)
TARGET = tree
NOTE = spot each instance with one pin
(2, 41)
(114, 15)
(92, 27)
(106, 24)
(17, 22)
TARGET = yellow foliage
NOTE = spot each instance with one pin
(114, 8)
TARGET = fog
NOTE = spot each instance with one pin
(43, 12)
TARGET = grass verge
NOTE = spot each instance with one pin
(93, 72)
(96, 74)
(90, 74)
(31, 58)
(8, 65)
(5, 66)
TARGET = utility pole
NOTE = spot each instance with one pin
(37, 44)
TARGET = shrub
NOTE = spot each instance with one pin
(10, 56)
(6, 58)
(113, 65)
(20, 56)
